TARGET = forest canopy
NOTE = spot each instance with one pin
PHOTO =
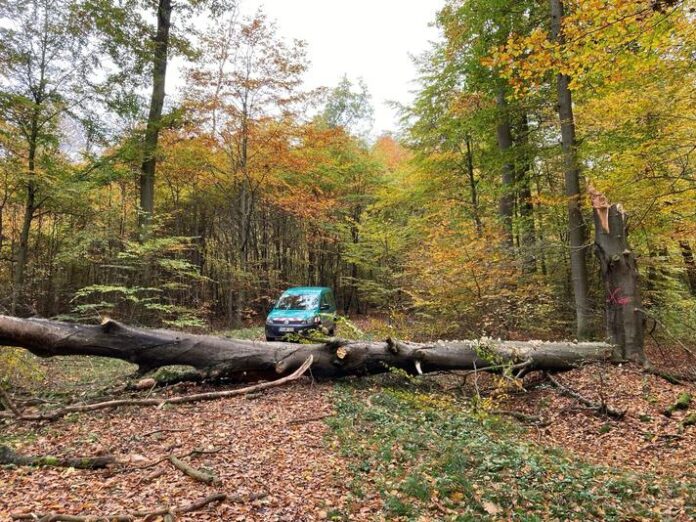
(513, 330)
(195, 207)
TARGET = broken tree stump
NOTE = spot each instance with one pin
(624, 314)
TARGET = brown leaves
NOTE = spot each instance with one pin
(263, 450)
(643, 440)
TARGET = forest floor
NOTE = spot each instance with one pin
(389, 447)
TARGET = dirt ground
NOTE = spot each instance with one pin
(276, 453)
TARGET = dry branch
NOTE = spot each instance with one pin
(162, 430)
(309, 419)
(7, 401)
(8, 456)
(80, 408)
(518, 415)
(601, 408)
(196, 474)
(147, 515)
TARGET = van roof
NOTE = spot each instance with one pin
(297, 290)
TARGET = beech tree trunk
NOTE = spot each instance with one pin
(523, 175)
(618, 263)
(154, 120)
(151, 349)
(504, 135)
(577, 230)
(690, 264)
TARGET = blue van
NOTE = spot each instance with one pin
(301, 309)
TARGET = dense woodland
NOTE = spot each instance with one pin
(165, 173)
(193, 206)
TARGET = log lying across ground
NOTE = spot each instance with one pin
(9, 456)
(151, 349)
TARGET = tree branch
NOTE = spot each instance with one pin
(598, 407)
(80, 408)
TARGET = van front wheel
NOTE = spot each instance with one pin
(270, 339)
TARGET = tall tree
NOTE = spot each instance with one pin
(248, 75)
(577, 229)
(47, 62)
(689, 265)
(504, 136)
(349, 106)
(141, 53)
(160, 43)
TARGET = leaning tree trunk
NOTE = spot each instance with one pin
(151, 349)
(620, 274)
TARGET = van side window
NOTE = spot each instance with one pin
(330, 299)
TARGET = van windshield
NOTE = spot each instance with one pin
(297, 302)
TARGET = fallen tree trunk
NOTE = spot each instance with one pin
(151, 349)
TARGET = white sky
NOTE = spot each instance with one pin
(371, 39)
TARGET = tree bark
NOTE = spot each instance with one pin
(154, 120)
(8, 456)
(151, 349)
(504, 135)
(690, 264)
(524, 195)
(577, 230)
(473, 186)
(624, 316)
(29, 205)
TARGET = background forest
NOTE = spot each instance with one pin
(196, 208)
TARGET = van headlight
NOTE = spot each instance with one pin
(269, 321)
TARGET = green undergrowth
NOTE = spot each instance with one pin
(252, 333)
(431, 458)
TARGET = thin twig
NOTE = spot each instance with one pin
(163, 430)
(681, 344)
(7, 401)
(309, 419)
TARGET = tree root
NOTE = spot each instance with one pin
(160, 403)
(601, 408)
(672, 378)
(8, 456)
(168, 513)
